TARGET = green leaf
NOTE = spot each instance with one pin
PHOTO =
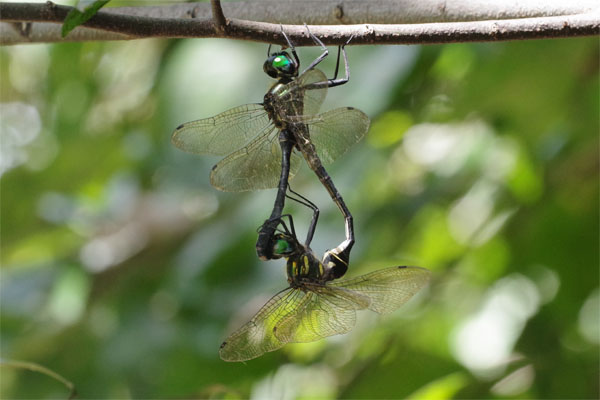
(75, 17)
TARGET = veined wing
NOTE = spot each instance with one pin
(335, 131)
(304, 100)
(223, 133)
(324, 311)
(256, 166)
(387, 288)
(257, 337)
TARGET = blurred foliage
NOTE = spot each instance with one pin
(123, 270)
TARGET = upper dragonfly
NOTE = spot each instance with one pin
(249, 134)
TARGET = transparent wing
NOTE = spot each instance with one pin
(223, 133)
(324, 311)
(256, 166)
(257, 337)
(306, 101)
(388, 288)
(335, 131)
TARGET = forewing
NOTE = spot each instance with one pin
(223, 133)
(256, 166)
(257, 337)
(310, 99)
(335, 131)
(325, 311)
(388, 288)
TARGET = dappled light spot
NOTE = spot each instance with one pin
(471, 212)
(403, 173)
(69, 296)
(20, 124)
(443, 388)
(454, 62)
(291, 381)
(515, 383)
(547, 282)
(123, 85)
(28, 68)
(389, 128)
(107, 251)
(589, 322)
(434, 144)
(484, 342)
(56, 207)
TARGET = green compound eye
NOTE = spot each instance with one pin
(281, 247)
(281, 62)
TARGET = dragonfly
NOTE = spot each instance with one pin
(250, 136)
(315, 305)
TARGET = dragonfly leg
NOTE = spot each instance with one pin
(267, 230)
(287, 231)
(335, 81)
(315, 216)
(317, 40)
(291, 231)
(323, 47)
(290, 45)
(337, 62)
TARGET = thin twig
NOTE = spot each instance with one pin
(131, 27)
(43, 370)
(218, 16)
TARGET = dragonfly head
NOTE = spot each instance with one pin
(284, 246)
(281, 65)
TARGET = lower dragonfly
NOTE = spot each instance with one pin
(315, 305)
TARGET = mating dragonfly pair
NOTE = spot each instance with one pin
(261, 143)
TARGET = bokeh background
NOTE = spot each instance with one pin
(123, 269)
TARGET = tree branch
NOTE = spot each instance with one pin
(195, 20)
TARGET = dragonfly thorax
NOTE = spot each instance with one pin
(283, 104)
(304, 268)
(273, 108)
